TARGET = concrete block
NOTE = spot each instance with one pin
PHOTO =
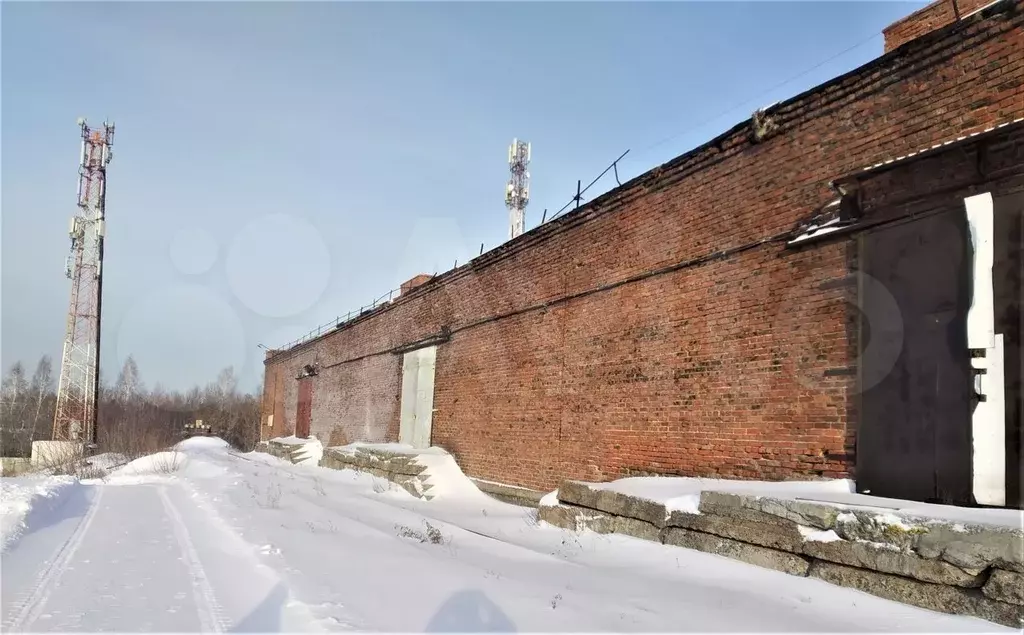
(396, 468)
(935, 597)
(398, 463)
(510, 494)
(974, 547)
(636, 528)
(13, 466)
(782, 535)
(332, 461)
(867, 526)
(282, 451)
(56, 453)
(751, 554)
(579, 518)
(768, 510)
(1005, 586)
(583, 495)
(576, 518)
(890, 560)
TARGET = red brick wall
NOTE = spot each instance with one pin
(557, 368)
(359, 401)
(926, 19)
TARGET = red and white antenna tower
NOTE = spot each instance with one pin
(78, 391)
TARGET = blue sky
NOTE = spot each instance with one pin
(277, 164)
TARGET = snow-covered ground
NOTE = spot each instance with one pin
(207, 539)
(29, 494)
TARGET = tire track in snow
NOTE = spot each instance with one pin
(233, 541)
(26, 611)
(210, 614)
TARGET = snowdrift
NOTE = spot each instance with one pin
(424, 472)
(187, 459)
(24, 499)
(202, 443)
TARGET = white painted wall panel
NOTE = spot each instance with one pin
(988, 421)
(989, 433)
(981, 315)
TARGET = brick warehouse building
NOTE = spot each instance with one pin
(691, 322)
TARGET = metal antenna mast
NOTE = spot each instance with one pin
(517, 192)
(78, 391)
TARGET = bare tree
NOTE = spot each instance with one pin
(227, 383)
(15, 434)
(43, 397)
(159, 395)
(131, 422)
(129, 383)
(14, 393)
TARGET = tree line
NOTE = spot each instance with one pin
(131, 420)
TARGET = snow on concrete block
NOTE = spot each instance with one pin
(612, 502)
(56, 453)
(686, 504)
(511, 494)
(309, 453)
(384, 449)
(813, 535)
(549, 500)
(770, 511)
(444, 477)
(885, 528)
(663, 488)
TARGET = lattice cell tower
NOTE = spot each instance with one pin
(517, 192)
(78, 389)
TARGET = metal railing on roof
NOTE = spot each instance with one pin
(385, 299)
(341, 320)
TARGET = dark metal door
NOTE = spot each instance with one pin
(304, 408)
(1008, 282)
(914, 430)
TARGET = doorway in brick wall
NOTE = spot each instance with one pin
(914, 429)
(417, 397)
(304, 408)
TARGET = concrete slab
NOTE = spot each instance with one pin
(509, 493)
(584, 495)
(737, 550)
(886, 559)
(14, 465)
(936, 597)
(783, 536)
(56, 453)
